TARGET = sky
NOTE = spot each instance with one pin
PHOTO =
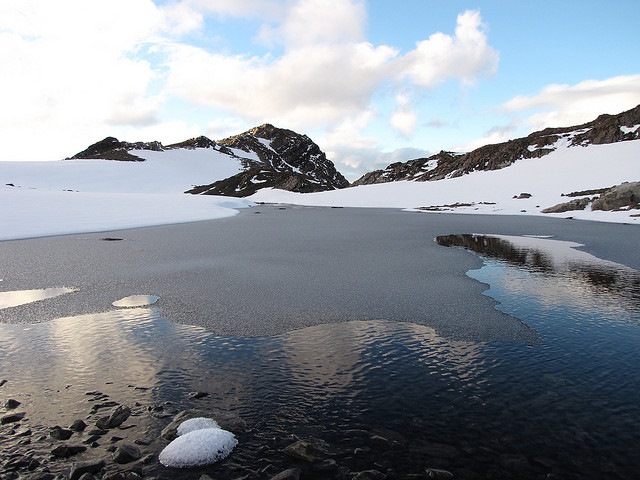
(371, 82)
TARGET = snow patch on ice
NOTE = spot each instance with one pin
(198, 423)
(198, 448)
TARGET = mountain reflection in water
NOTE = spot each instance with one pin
(556, 262)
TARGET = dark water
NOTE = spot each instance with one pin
(567, 405)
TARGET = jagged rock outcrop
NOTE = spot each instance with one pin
(625, 196)
(604, 129)
(277, 158)
(113, 149)
(197, 142)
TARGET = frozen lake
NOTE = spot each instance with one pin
(351, 326)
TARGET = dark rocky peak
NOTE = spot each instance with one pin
(113, 149)
(278, 158)
(193, 143)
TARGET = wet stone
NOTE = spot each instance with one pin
(2, 382)
(11, 404)
(66, 451)
(22, 432)
(79, 469)
(60, 433)
(126, 453)
(108, 404)
(12, 418)
(290, 474)
(117, 417)
(78, 426)
(309, 450)
(438, 474)
(198, 395)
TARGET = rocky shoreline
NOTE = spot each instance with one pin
(117, 442)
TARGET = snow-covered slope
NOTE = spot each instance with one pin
(173, 171)
(546, 179)
(74, 196)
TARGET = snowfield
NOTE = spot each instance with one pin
(566, 170)
(76, 196)
(79, 196)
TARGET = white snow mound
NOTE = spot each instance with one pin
(198, 448)
(199, 423)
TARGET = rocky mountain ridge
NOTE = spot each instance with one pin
(270, 157)
(275, 158)
(604, 129)
(278, 158)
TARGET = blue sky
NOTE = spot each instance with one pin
(371, 82)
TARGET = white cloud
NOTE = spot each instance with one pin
(327, 71)
(269, 9)
(69, 67)
(314, 85)
(313, 22)
(464, 56)
(404, 118)
(566, 105)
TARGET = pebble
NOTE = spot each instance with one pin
(81, 468)
(438, 474)
(78, 426)
(126, 453)
(60, 433)
(197, 395)
(11, 404)
(289, 474)
(66, 451)
(117, 417)
(12, 417)
(309, 450)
